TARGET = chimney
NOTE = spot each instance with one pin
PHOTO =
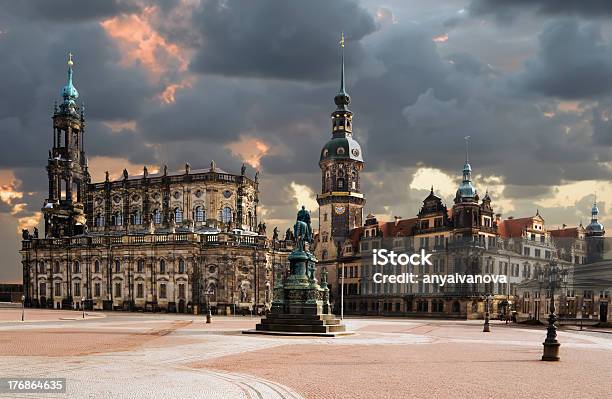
(397, 219)
(564, 225)
(498, 217)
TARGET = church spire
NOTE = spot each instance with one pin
(69, 92)
(466, 191)
(342, 99)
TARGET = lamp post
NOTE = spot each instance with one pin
(554, 278)
(22, 307)
(83, 305)
(582, 316)
(342, 292)
(486, 327)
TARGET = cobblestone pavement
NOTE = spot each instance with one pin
(123, 355)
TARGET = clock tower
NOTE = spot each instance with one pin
(341, 201)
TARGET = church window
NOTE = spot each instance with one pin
(140, 266)
(56, 267)
(97, 266)
(77, 267)
(162, 290)
(156, 216)
(99, 222)
(162, 266)
(181, 266)
(140, 291)
(136, 218)
(199, 214)
(118, 219)
(117, 266)
(226, 215)
(178, 215)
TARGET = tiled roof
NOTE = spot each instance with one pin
(570, 232)
(513, 227)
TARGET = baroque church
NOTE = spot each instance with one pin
(179, 241)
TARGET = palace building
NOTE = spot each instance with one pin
(467, 239)
(171, 240)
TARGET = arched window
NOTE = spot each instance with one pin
(178, 215)
(157, 216)
(199, 214)
(41, 267)
(212, 291)
(181, 266)
(56, 267)
(140, 265)
(162, 266)
(226, 214)
(117, 266)
(97, 266)
(136, 218)
(118, 219)
(77, 267)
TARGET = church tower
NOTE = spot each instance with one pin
(341, 201)
(466, 211)
(595, 233)
(67, 166)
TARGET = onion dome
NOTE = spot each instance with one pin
(69, 92)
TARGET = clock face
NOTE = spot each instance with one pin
(339, 209)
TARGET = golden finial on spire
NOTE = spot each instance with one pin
(342, 40)
(70, 62)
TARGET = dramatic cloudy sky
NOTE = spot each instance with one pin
(253, 81)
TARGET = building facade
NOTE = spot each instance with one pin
(468, 239)
(175, 241)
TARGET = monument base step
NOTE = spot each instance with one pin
(299, 334)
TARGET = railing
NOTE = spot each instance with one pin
(223, 238)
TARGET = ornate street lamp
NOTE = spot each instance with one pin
(554, 277)
(487, 298)
(83, 305)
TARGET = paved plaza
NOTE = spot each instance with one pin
(123, 355)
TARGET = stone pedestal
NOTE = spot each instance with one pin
(301, 306)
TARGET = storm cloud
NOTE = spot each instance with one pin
(239, 81)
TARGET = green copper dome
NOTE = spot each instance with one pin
(342, 148)
(69, 92)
